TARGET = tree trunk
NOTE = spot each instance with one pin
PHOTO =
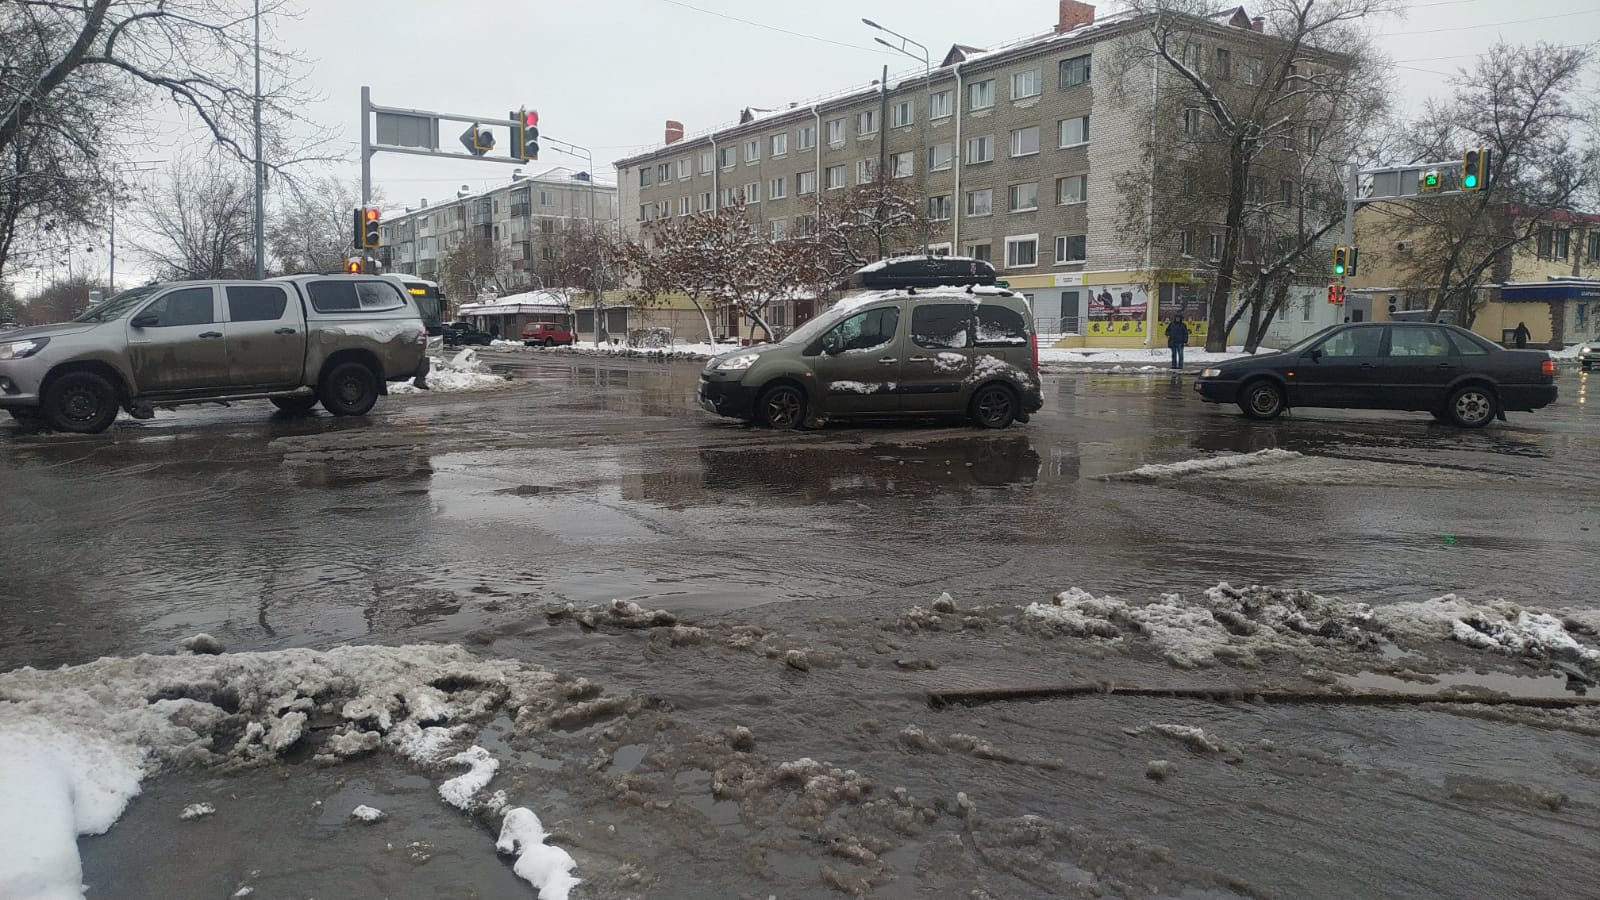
(1222, 288)
(1280, 293)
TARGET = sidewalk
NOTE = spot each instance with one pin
(1135, 361)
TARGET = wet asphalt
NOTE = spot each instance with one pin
(461, 517)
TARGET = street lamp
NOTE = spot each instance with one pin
(927, 112)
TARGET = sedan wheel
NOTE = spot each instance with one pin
(1262, 400)
(1472, 406)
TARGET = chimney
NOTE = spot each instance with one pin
(674, 131)
(1074, 15)
(1258, 24)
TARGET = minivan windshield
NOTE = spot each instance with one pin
(810, 330)
(117, 306)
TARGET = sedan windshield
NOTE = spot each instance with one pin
(117, 306)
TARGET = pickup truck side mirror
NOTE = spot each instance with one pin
(146, 320)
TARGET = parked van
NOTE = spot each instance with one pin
(935, 339)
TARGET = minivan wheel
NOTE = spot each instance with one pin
(80, 402)
(782, 407)
(1262, 400)
(1472, 406)
(294, 404)
(349, 389)
(994, 406)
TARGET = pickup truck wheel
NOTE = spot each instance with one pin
(80, 402)
(350, 389)
(294, 404)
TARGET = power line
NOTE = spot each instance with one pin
(1470, 55)
(799, 34)
(1586, 12)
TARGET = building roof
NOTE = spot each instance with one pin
(558, 176)
(525, 302)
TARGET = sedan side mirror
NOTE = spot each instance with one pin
(1316, 355)
(146, 320)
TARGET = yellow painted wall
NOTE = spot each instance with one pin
(1494, 317)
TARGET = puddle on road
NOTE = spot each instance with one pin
(1526, 686)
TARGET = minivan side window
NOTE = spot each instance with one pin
(943, 326)
(333, 296)
(256, 303)
(1000, 327)
(863, 331)
(188, 306)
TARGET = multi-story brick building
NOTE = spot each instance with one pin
(515, 224)
(1023, 148)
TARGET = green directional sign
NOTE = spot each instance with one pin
(1002, 284)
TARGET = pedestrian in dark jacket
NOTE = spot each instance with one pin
(1177, 339)
(1520, 336)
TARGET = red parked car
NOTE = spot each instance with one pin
(547, 334)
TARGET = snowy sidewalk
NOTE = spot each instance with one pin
(1138, 361)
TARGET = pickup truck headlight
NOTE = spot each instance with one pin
(737, 363)
(22, 349)
(1211, 373)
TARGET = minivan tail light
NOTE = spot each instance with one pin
(1548, 367)
(1033, 339)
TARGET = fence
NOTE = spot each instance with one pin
(1053, 328)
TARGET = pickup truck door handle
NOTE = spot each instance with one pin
(917, 359)
(887, 361)
(210, 334)
(284, 331)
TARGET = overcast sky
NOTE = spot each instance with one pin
(606, 74)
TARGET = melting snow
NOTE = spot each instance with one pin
(547, 868)
(462, 372)
(1165, 471)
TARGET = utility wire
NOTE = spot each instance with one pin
(800, 34)
(1585, 12)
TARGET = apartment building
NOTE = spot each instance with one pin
(515, 224)
(1022, 150)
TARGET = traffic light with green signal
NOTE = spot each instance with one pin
(1430, 180)
(1341, 260)
(1475, 168)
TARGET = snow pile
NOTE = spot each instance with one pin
(675, 351)
(368, 814)
(196, 811)
(460, 790)
(75, 742)
(1157, 355)
(462, 372)
(1205, 466)
(547, 868)
(1246, 625)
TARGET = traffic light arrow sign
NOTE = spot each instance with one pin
(469, 139)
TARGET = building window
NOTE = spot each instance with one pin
(1546, 243)
(1024, 197)
(705, 163)
(903, 165)
(775, 190)
(705, 202)
(1074, 71)
(683, 206)
(725, 197)
(980, 94)
(1223, 70)
(1594, 246)
(980, 149)
(1186, 243)
(1563, 242)
(835, 131)
(866, 170)
(1072, 189)
(1313, 138)
(752, 151)
(1191, 57)
(780, 229)
(939, 208)
(1026, 84)
(1286, 191)
(1250, 72)
(1022, 252)
(1072, 248)
(644, 211)
(806, 138)
(980, 203)
(833, 177)
(685, 168)
(805, 183)
(941, 157)
(730, 155)
(644, 177)
(664, 173)
(867, 122)
(980, 251)
(939, 105)
(1073, 132)
(903, 113)
(1025, 141)
(780, 144)
(752, 192)
(1214, 250)
(1191, 122)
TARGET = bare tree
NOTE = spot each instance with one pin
(60, 300)
(198, 222)
(470, 269)
(869, 222)
(311, 230)
(586, 257)
(1302, 84)
(73, 72)
(688, 256)
(1520, 103)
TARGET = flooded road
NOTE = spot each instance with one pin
(465, 518)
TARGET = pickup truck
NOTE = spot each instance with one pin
(465, 334)
(298, 341)
(546, 334)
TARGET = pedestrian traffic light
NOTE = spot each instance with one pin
(353, 266)
(1336, 294)
(1341, 256)
(1430, 180)
(1474, 168)
(370, 234)
(525, 134)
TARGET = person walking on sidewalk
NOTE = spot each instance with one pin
(1520, 336)
(1177, 339)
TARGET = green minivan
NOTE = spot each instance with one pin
(947, 343)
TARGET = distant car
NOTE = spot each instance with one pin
(1450, 372)
(547, 334)
(1588, 352)
(465, 334)
(9, 326)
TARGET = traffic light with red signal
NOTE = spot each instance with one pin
(353, 266)
(1336, 294)
(525, 134)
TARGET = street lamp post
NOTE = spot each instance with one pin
(927, 112)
